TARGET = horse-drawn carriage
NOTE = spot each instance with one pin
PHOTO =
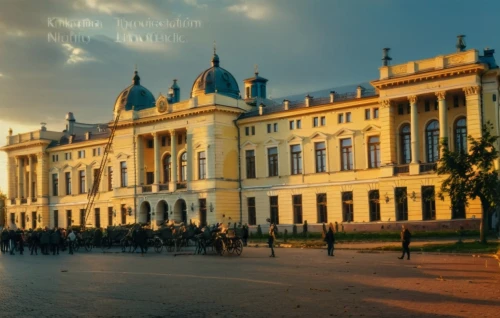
(221, 242)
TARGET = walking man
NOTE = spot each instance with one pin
(272, 238)
(405, 239)
(330, 240)
(71, 241)
(35, 239)
(12, 241)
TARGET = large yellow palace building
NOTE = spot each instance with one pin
(225, 156)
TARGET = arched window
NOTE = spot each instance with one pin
(461, 135)
(183, 167)
(405, 139)
(167, 164)
(432, 141)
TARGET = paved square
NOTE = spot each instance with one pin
(297, 283)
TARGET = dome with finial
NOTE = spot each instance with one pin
(215, 80)
(135, 95)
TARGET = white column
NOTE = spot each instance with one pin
(473, 104)
(156, 145)
(19, 177)
(443, 117)
(192, 161)
(140, 164)
(173, 158)
(415, 145)
(30, 177)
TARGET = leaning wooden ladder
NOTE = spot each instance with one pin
(97, 178)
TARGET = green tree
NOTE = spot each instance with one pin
(472, 175)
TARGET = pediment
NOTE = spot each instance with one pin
(66, 166)
(295, 138)
(54, 169)
(318, 135)
(248, 144)
(80, 165)
(122, 155)
(198, 145)
(371, 128)
(93, 163)
(271, 141)
(344, 132)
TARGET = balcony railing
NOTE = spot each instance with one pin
(181, 185)
(401, 169)
(33, 199)
(147, 189)
(24, 201)
(13, 201)
(163, 187)
(428, 167)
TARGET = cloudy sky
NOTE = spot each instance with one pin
(77, 55)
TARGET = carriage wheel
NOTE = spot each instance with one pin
(104, 243)
(219, 247)
(123, 245)
(230, 246)
(88, 246)
(158, 245)
(238, 247)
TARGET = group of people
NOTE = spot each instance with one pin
(49, 241)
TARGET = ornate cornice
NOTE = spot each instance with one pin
(385, 103)
(441, 95)
(471, 90)
(412, 99)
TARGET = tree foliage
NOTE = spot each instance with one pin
(472, 174)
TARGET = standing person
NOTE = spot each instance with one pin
(71, 241)
(45, 241)
(55, 238)
(35, 239)
(272, 238)
(330, 240)
(141, 238)
(405, 239)
(5, 240)
(20, 241)
(12, 241)
(245, 234)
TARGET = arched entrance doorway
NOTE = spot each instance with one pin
(162, 212)
(180, 211)
(145, 213)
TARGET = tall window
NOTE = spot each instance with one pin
(341, 118)
(69, 218)
(405, 139)
(367, 113)
(124, 174)
(292, 124)
(461, 135)
(67, 177)
(82, 216)
(432, 141)
(375, 113)
(299, 124)
(81, 177)
(296, 158)
(247, 131)
(110, 216)
(97, 213)
(55, 184)
(274, 209)
(315, 122)
(374, 205)
(203, 211)
(401, 204)
(96, 177)
(297, 208)
(202, 165)
(167, 166)
(56, 218)
(347, 207)
(458, 209)
(184, 167)
(346, 154)
(428, 203)
(250, 163)
(321, 208)
(252, 216)
(320, 153)
(123, 211)
(348, 117)
(374, 152)
(272, 161)
(110, 178)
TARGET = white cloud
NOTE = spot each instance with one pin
(194, 3)
(112, 7)
(254, 12)
(77, 55)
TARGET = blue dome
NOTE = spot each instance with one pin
(215, 79)
(135, 95)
